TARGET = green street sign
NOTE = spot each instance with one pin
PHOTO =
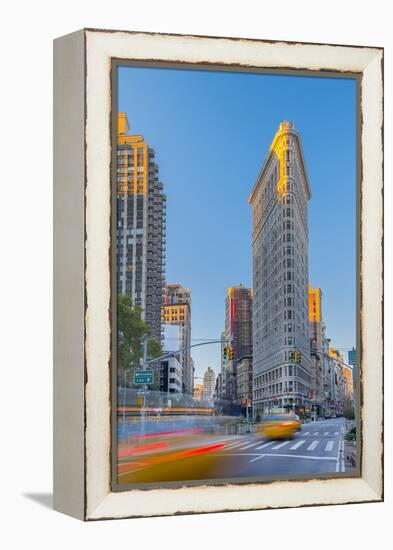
(143, 376)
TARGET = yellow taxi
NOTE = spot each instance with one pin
(279, 426)
(296, 420)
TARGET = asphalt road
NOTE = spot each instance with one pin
(190, 454)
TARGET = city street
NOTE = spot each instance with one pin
(193, 454)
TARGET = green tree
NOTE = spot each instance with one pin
(349, 413)
(130, 330)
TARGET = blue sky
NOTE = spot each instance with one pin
(211, 131)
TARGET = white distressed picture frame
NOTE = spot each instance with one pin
(82, 252)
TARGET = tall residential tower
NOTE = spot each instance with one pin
(280, 276)
(140, 232)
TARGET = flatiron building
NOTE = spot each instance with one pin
(280, 276)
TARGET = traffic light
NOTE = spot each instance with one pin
(291, 356)
(140, 400)
(298, 356)
(225, 353)
(230, 353)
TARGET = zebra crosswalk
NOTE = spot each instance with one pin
(317, 441)
(280, 445)
(315, 448)
(313, 445)
(298, 444)
(264, 445)
(309, 444)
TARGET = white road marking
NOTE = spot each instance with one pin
(297, 445)
(306, 433)
(265, 445)
(256, 458)
(229, 441)
(280, 445)
(335, 433)
(313, 445)
(234, 445)
(296, 456)
(249, 446)
(326, 433)
(255, 455)
(315, 433)
(329, 446)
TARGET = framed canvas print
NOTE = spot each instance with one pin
(218, 274)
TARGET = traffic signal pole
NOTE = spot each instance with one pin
(350, 367)
(144, 339)
(172, 353)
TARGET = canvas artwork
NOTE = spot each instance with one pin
(235, 241)
(218, 274)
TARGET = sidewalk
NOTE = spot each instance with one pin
(350, 454)
(350, 447)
